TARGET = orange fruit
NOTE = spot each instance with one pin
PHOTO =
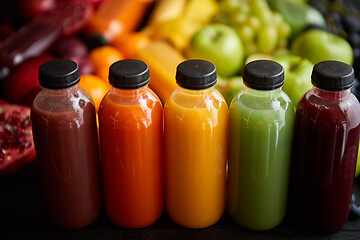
(95, 87)
(129, 43)
(103, 73)
(104, 56)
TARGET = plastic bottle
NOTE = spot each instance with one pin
(261, 120)
(196, 125)
(31, 40)
(326, 140)
(66, 142)
(131, 139)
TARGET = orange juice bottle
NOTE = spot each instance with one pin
(131, 139)
(196, 125)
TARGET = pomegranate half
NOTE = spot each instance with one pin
(16, 140)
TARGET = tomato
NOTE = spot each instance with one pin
(16, 141)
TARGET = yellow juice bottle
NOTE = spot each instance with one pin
(195, 126)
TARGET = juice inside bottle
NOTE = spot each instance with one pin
(260, 134)
(66, 141)
(131, 137)
(196, 155)
(325, 148)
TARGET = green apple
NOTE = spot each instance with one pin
(297, 76)
(298, 14)
(230, 87)
(236, 84)
(319, 45)
(219, 44)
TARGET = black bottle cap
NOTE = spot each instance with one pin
(59, 74)
(129, 74)
(263, 75)
(196, 74)
(332, 76)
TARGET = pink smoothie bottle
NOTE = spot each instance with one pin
(66, 142)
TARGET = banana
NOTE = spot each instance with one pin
(200, 11)
(176, 31)
(165, 10)
(176, 21)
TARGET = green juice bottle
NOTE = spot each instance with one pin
(260, 136)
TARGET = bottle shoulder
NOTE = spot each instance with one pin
(267, 110)
(68, 100)
(262, 101)
(332, 111)
(126, 108)
(313, 99)
(204, 100)
(204, 110)
(130, 97)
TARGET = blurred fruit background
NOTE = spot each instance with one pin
(163, 33)
(229, 33)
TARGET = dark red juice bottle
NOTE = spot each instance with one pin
(326, 140)
(66, 142)
(33, 39)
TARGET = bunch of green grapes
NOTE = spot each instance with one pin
(260, 29)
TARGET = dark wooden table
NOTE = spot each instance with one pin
(21, 218)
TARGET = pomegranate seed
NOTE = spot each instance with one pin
(27, 144)
(20, 147)
(6, 134)
(5, 145)
(15, 114)
(25, 123)
(21, 137)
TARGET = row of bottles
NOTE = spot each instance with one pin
(178, 154)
